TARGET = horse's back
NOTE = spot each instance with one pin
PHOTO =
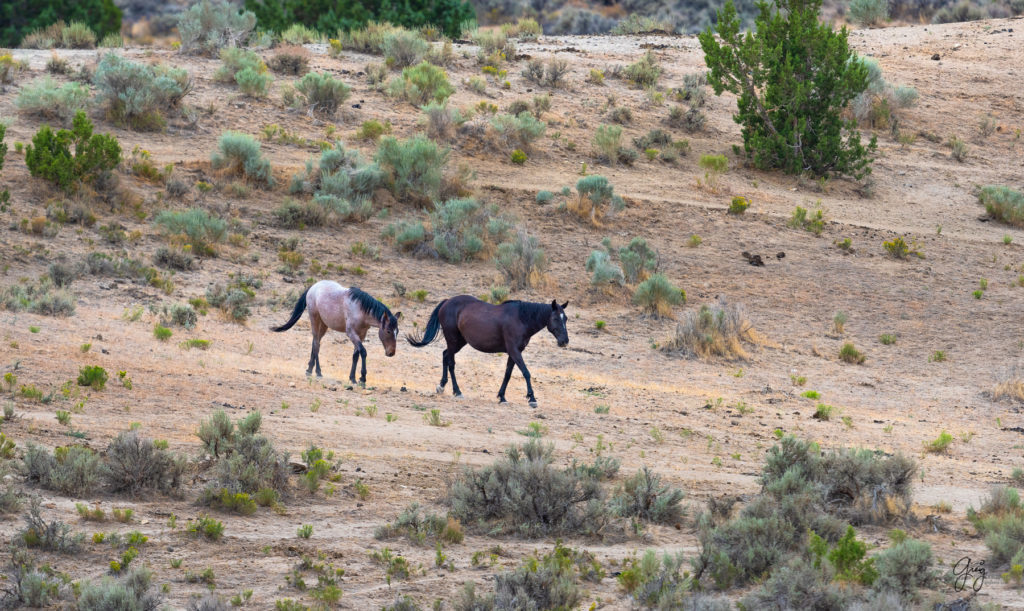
(326, 300)
(481, 324)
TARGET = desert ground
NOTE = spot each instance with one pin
(703, 425)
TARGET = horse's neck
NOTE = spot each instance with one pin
(538, 318)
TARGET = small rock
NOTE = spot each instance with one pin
(936, 57)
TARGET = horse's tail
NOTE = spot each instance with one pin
(430, 333)
(300, 307)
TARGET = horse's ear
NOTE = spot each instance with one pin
(554, 304)
(398, 316)
(565, 305)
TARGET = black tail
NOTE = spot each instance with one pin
(300, 307)
(430, 333)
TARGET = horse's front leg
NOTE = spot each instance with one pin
(355, 361)
(504, 383)
(362, 373)
(517, 356)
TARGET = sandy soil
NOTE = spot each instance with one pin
(895, 401)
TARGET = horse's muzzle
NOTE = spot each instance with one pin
(563, 344)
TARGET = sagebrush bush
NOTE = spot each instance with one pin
(868, 12)
(71, 470)
(658, 583)
(403, 48)
(517, 132)
(293, 214)
(137, 95)
(174, 258)
(54, 536)
(413, 167)
(549, 74)
(299, 34)
(211, 25)
(43, 97)
(322, 93)
(645, 72)
(42, 298)
(638, 260)
(1003, 203)
(656, 295)
(465, 229)
(495, 47)
(713, 331)
(342, 183)
(800, 580)
(49, 156)
(608, 142)
(644, 496)
(421, 84)
(246, 69)
(130, 592)
(523, 493)
(603, 271)
(546, 582)
(201, 230)
(239, 154)
(440, 121)
(903, 568)
(407, 235)
(421, 529)
(596, 199)
(133, 464)
(247, 461)
(1001, 521)
(521, 260)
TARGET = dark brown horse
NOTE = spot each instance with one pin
(349, 310)
(492, 328)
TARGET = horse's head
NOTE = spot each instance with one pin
(389, 332)
(556, 323)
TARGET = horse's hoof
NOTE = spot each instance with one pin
(457, 395)
(439, 389)
(501, 400)
(319, 375)
(533, 403)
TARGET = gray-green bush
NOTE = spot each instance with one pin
(70, 470)
(133, 464)
(130, 592)
(656, 295)
(638, 260)
(868, 12)
(595, 199)
(421, 84)
(239, 154)
(523, 493)
(322, 93)
(603, 270)
(643, 496)
(201, 230)
(904, 568)
(247, 461)
(712, 331)
(440, 121)
(137, 95)
(209, 26)
(40, 298)
(464, 229)
(517, 132)
(342, 182)
(413, 168)
(43, 97)
(521, 260)
(403, 48)
(246, 69)
(1003, 203)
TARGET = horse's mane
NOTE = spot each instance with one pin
(529, 311)
(369, 304)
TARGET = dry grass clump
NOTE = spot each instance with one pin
(713, 331)
(1011, 385)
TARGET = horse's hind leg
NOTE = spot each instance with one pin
(455, 343)
(517, 357)
(319, 328)
(444, 372)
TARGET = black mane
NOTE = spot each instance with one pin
(369, 305)
(530, 311)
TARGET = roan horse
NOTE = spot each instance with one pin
(349, 310)
(492, 328)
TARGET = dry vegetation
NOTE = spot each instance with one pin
(155, 433)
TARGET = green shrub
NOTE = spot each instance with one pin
(162, 333)
(19, 19)
(45, 98)
(464, 229)
(299, 34)
(343, 183)
(93, 376)
(791, 114)
(134, 464)
(407, 235)
(521, 260)
(645, 72)
(49, 156)
(551, 74)
(518, 132)
(209, 26)
(202, 231)
(495, 47)
(608, 142)
(246, 69)
(52, 536)
(234, 298)
(660, 584)
(421, 529)
(815, 223)
(800, 580)
(421, 84)
(868, 12)
(246, 461)
(643, 496)
(205, 526)
(293, 214)
(239, 154)
(137, 95)
(739, 205)
(657, 295)
(1001, 521)
(413, 167)
(849, 354)
(322, 93)
(522, 492)
(603, 270)
(441, 120)
(293, 60)
(1003, 203)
